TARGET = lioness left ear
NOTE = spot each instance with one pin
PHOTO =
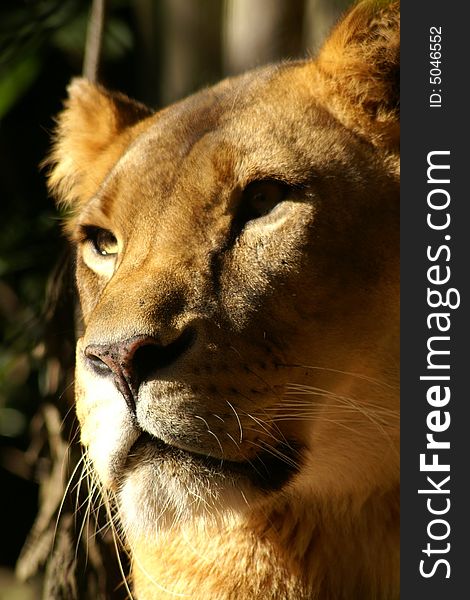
(92, 131)
(359, 69)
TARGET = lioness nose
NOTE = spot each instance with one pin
(135, 360)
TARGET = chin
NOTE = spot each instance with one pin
(163, 487)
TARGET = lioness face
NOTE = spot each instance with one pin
(237, 264)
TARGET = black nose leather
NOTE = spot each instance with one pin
(133, 361)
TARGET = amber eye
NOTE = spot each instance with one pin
(103, 241)
(259, 198)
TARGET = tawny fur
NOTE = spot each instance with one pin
(295, 315)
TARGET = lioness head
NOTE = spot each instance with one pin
(237, 372)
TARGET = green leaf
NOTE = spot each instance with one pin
(16, 80)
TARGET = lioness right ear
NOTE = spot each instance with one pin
(359, 68)
(91, 133)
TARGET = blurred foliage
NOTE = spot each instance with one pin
(41, 47)
(16, 81)
(29, 29)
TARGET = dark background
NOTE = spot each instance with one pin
(156, 51)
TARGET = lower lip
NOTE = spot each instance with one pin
(266, 471)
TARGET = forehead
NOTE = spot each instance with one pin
(267, 116)
(265, 124)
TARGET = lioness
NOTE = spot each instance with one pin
(237, 373)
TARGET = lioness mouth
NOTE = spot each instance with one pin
(268, 471)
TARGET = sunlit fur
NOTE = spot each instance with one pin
(262, 461)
